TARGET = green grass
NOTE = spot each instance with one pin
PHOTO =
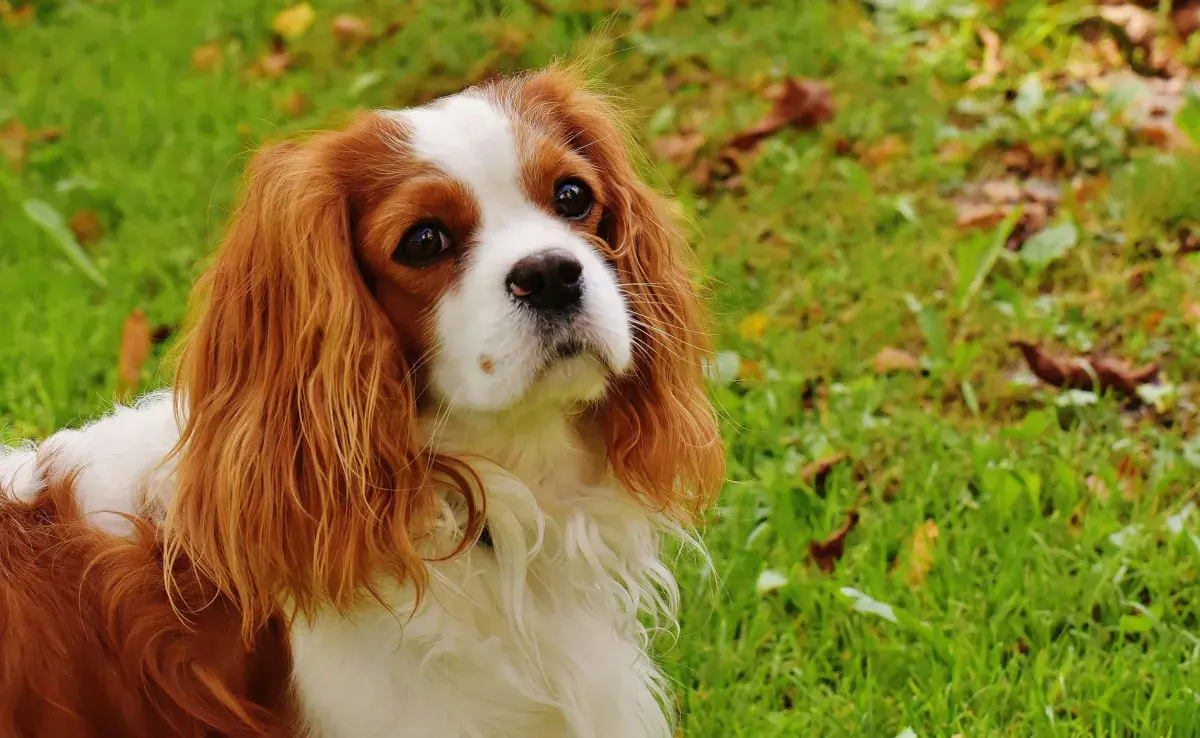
(1030, 620)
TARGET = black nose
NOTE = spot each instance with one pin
(550, 280)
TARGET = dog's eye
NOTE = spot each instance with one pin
(572, 199)
(422, 245)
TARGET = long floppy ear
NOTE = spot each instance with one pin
(660, 427)
(299, 472)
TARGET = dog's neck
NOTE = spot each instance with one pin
(552, 449)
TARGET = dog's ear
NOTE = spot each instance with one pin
(661, 429)
(300, 476)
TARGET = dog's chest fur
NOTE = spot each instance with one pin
(536, 635)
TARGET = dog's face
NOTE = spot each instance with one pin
(491, 250)
(488, 250)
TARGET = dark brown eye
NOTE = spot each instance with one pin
(572, 199)
(422, 245)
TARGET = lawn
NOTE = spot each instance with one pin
(1017, 559)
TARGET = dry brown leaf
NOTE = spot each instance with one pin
(1186, 19)
(794, 102)
(1001, 191)
(895, 360)
(275, 64)
(292, 23)
(86, 226)
(1033, 218)
(977, 214)
(350, 30)
(678, 148)
(292, 104)
(884, 150)
(1043, 191)
(1096, 373)
(13, 144)
(1138, 24)
(828, 552)
(991, 66)
(161, 334)
(919, 558)
(652, 12)
(135, 349)
(1136, 280)
(16, 17)
(206, 58)
(815, 473)
(1097, 487)
(46, 135)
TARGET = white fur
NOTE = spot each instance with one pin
(542, 635)
(470, 137)
(115, 459)
(538, 637)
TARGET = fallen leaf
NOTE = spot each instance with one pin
(13, 141)
(753, 326)
(86, 226)
(1043, 191)
(350, 30)
(19, 17)
(794, 102)
(918, 559)
(292, 104)
(206, 58)
(890, 360)
(652, 12)
(1136, 280)
(275, 64)
(1191, 312)
(678, 148)
(49, 134)
(1001, 191)
(886, 149)
(1091, 373)
(977, 214)
(1186, 19)
(815, 473)
(991, 65)
(161, 334)
(294, 22)
(1033, 219)
(1138, 25)
(828, 552)
(135, 349)
(1097, 487)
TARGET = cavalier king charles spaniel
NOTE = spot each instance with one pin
(440, 401)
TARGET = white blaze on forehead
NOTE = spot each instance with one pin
(470, 138)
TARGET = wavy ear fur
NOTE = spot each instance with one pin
(300, 476)
(660, 428)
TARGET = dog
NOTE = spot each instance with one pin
(439, 402)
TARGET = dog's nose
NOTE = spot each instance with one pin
(550, 280)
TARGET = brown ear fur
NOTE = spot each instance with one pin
(660, 428)
(299, 472)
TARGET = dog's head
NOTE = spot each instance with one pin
(490, 250)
